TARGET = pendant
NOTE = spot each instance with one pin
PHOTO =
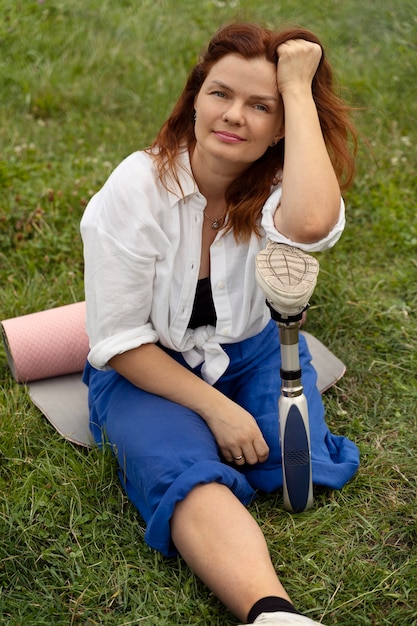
(215, 225)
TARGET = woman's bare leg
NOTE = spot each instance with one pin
(222, 543)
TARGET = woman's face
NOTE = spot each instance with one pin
(239, 112)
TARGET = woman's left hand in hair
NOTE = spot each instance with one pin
(298, 60)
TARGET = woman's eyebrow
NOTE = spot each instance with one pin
(222, 85)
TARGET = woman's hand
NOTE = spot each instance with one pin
(298, 61)
(237, 434)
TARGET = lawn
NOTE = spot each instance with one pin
(83, 84)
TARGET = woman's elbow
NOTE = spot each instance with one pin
(311, 231)
(309, 226)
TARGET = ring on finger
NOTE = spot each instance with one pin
(238, 458)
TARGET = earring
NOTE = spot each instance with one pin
(195, 115)
(273, 144)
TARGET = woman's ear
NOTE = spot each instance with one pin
(280, 133)
(278, 137)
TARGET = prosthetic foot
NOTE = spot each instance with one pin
(288, 277)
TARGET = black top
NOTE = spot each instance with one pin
(203, 308)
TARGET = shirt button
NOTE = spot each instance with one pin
(226, 332)
(220, 285)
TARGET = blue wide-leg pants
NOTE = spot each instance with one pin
(164, 449)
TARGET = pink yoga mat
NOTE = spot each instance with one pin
(47, 343)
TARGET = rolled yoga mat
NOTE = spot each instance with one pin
(46, 344)
(47, 351)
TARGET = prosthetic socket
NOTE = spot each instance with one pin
(288, 277)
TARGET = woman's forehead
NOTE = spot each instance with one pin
(256, 74)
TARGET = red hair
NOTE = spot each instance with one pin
(247, 194)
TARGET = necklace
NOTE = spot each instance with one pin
(215, 224)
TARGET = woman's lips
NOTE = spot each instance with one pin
(228, 137)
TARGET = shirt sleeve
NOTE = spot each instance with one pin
(273, 234)
(121, 243)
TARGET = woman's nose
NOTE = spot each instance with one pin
(234, 113)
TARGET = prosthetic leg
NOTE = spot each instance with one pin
(288, 277)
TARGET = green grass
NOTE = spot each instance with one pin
(82, 84)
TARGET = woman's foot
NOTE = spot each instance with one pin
(283, 619)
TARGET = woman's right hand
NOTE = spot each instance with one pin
(237, 434)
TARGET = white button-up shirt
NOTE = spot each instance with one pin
(142, 247)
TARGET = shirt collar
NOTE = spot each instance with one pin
(187, 186)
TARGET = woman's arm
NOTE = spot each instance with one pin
(310, 201)
(234, 429)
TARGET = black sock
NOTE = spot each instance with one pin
(270, 604)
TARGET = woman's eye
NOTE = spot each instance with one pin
(261, 107)
(219, 94)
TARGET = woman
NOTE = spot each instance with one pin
(182, 371)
